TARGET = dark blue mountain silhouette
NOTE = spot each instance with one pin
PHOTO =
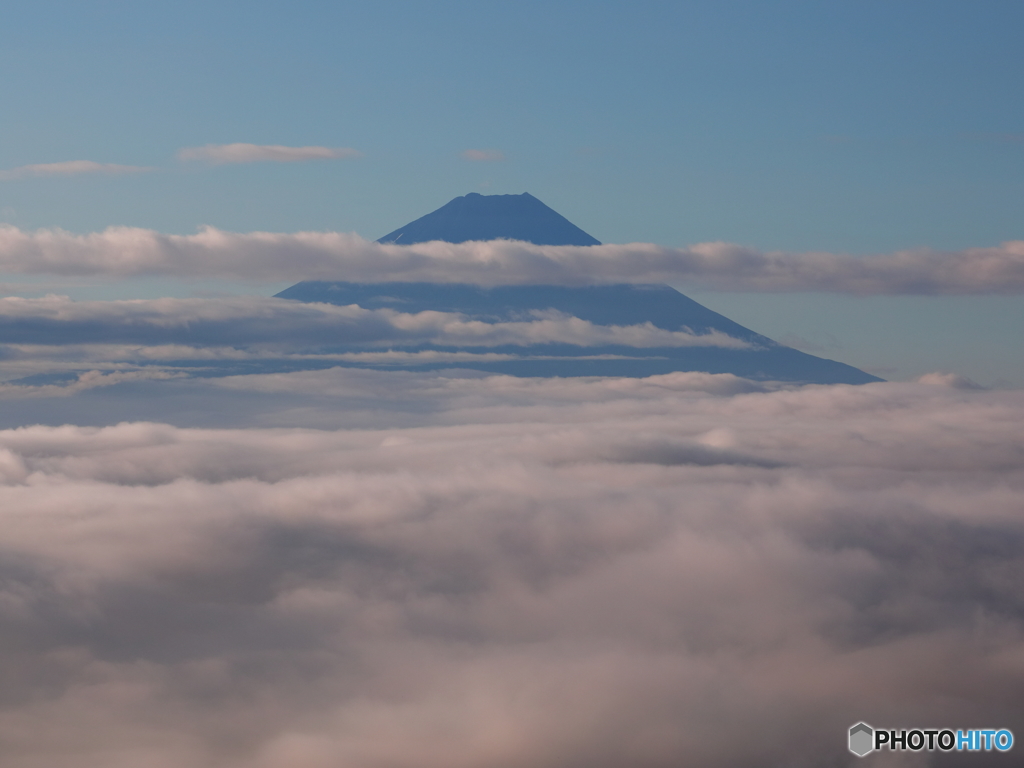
(492, 217)
(523, 217)
(662, 306)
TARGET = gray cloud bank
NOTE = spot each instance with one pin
(297, 326)
(681, 570)
(125, 251)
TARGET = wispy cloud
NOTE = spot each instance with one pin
(263, 320)
(483, 155)
(71, 168)
(999, 138)
(221, 154)
(87, 380)
(126, 251)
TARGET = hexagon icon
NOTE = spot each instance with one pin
(862, 738)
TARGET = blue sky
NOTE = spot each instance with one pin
(851, 127)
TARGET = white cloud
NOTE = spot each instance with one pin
(483, 155)
(946, 379)
(71, 168)
(127, 251)
(219, 154)
(543, 572)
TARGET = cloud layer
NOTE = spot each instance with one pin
(126, 251)
(220, 154)
(254, 320)
(71, 168)
(687, 569)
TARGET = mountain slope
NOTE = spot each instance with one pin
(606, 305)
(603, 330)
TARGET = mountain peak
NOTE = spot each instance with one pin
(490, 217)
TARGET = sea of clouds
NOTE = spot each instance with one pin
(455, 570)
(327, 566)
